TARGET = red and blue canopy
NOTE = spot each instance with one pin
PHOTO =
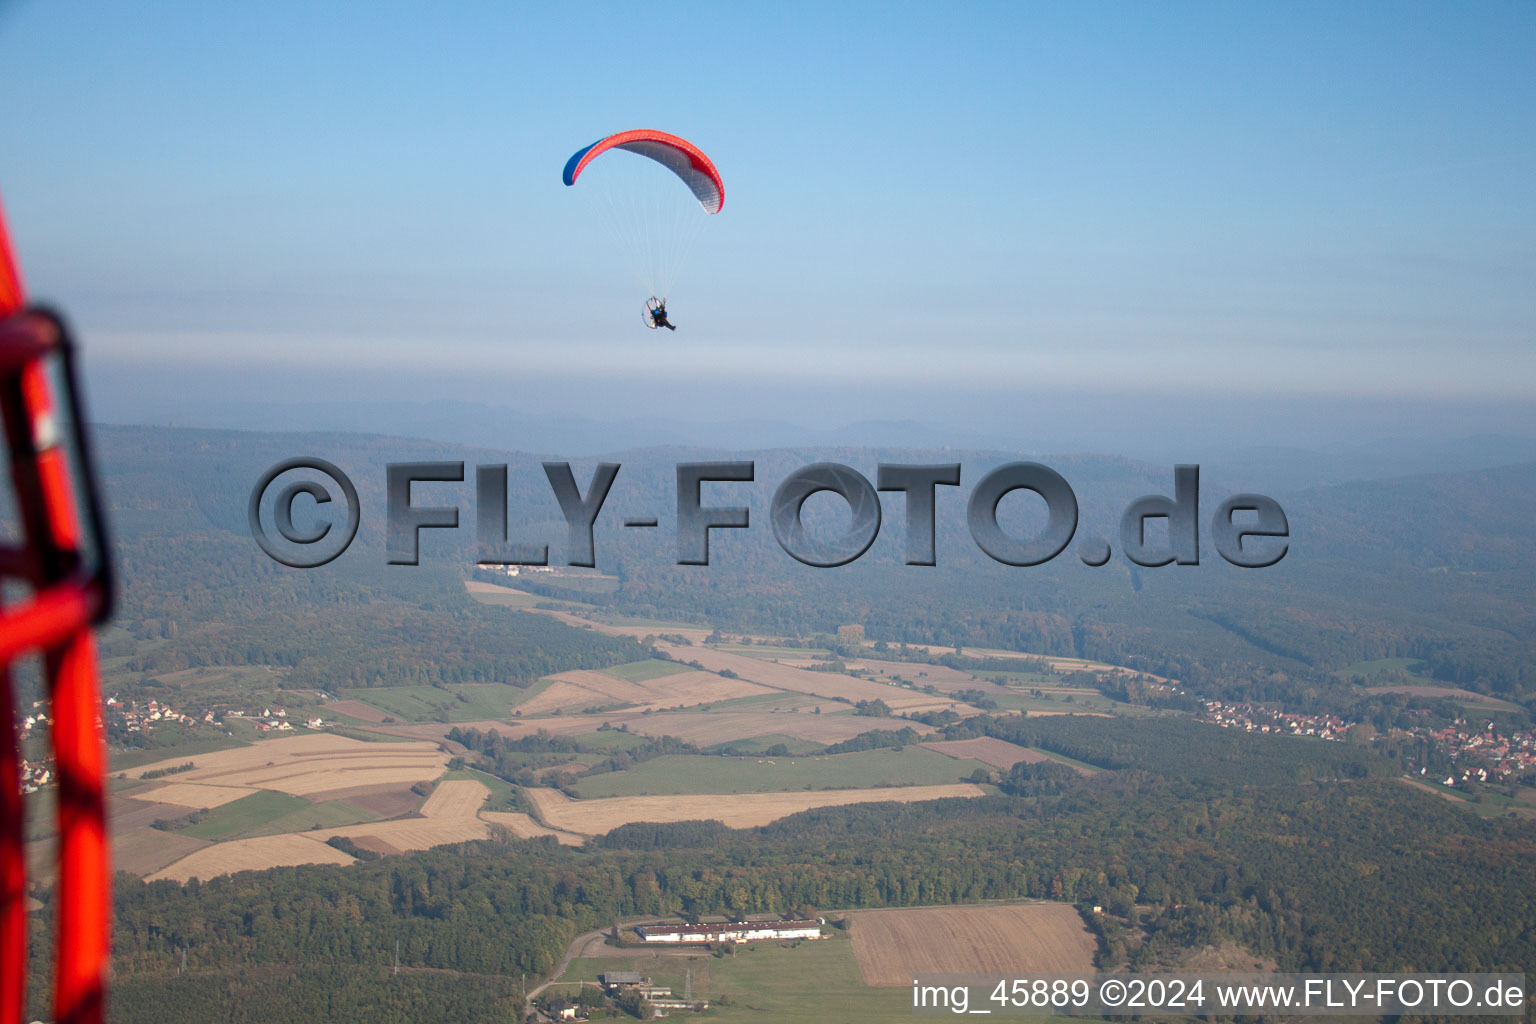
(678, 155)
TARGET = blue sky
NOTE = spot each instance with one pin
(1309, 200)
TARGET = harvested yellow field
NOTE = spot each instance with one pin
(315, 763)
(411, 833)
(995, 752)
(1014, 940)
(524, 827)
(448, 817)
(737, 810)
(190, 794)
(586, 689)
(251, 855)
(457, 798)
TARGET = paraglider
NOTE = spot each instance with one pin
(648, 214)
(656, 314)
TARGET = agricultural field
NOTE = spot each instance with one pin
(573, 691)
(639, 671)
(917, 673)
(820, 684)
(695, 773)
(708, 728)
(747, 810)
(123, 760)
(455, 703)
(251, 855)
(704, 729)
(449, 815)
(995, 752)
(758, 744)
(524, 827)
(505, 597)
(1466, 698)
(786, 983)
(144, 851)
(1017, 939)
(306, 765)
(190, 794)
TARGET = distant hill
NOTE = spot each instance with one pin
(1434, 567)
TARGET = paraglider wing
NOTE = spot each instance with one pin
(678, 155)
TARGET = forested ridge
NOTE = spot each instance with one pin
(1363, 581)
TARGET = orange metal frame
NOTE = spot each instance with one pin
(69, 592)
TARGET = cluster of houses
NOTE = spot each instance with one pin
(35, 774)
(144, 717)
(1474, 754)
(1478, 754)
(1257, 718)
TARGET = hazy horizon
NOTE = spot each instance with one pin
(1315, 209)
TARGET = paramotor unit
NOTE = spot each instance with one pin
(650, 218)
(656, 314)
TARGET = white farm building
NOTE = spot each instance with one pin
(745, 931)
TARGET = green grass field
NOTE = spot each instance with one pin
(783, 983)
(802, 983)
(466, 702)
(325, 814)
(757, 744)
(1382, 666)
(266, 813)
(651, 668)
(1027, 679)
(606, 741)
(239, 817)
(698, 773)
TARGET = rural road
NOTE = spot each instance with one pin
(571, 952)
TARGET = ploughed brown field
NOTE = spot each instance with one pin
(737, 810)
(987, 750)
(358, 710)
(1015, 940)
